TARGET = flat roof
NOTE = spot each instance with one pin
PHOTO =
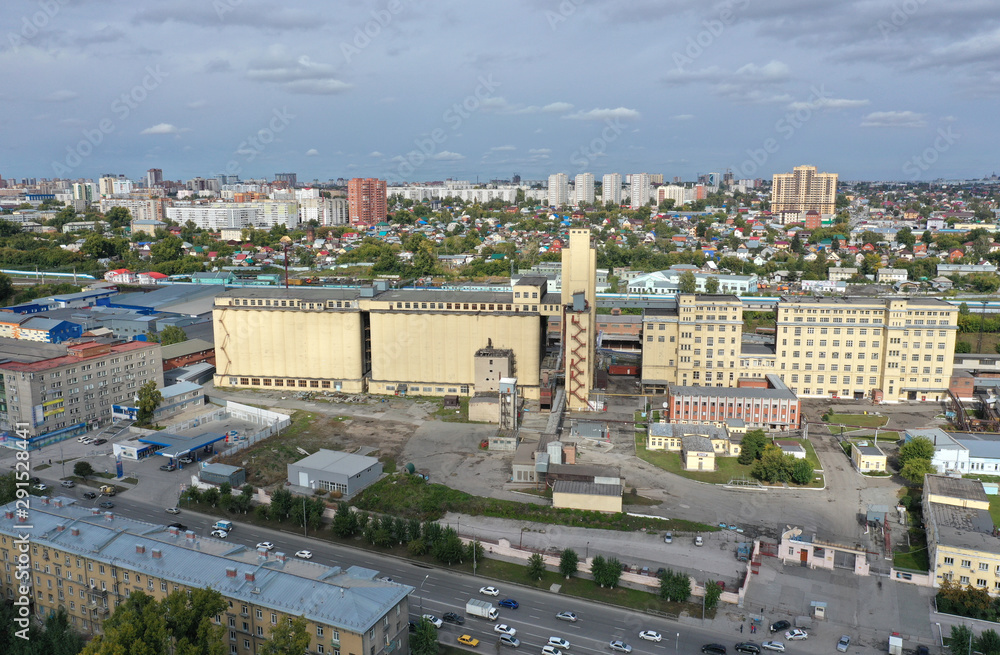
(220, 469)
(937, 436)
(175, 445)
(25, 352)
(869, 451)
(351, 598)
(678, 430)
(166, 296)
(586, 488)
(335, 461)
(731, 392)
(964, 527)
(979, 445)
(965, 489)
(314, 295)
(69, 360)
(188, 347)
(762, 349)
(178, 388)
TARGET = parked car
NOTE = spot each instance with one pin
(844, 643)
(89, 495)
(620, 646)
(266, 545)
(650, 635)
(69, 484)
(98, 442)
(435, 621)
(796, 634)
(778, 626)
(168, 467)
(221, 534)
(489, 591)
(698, 541)
(558, 642)
(504, 629)
(774, 645)
(668, 538)
(509, 603)
(567, 616)
(713, 649)
(507, 640)
(186, 460)
(41, 486)
(451, 617)
(173, 510)
(748, 647)
(304, 554)
(107, 504)
(179, 526)
(468, 640)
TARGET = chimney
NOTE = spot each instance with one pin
(281, 557)
(140, 549)
(249, 576)
(75, 532)
(45, 500)
(190, 535)
(57, 502)
(230, 571)
(110, 516)
(61, 527)
(175, 531)
(22, 518)
(94, 511)
(8, 514)
(157, 553)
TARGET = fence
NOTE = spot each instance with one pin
(272, 422)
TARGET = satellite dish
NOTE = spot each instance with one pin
(665, 405)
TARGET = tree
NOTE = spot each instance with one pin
(688, 283)
(802, 471)
(915, 469)
(345, 524)
(712, 594)
(597, 567)
(449, 549)
(289, 637)
(536, 567)
(166, 250)
(752, 446)
(6, 288)
(424, 641)
(611, 573)
(568, 563)
(211, 496)
(281, 504)
(988, 642)
(916, 448)
(712, 285)
(148, 399)
(172, 334)
(83, 469)
(138, 627)
(961, 640)
(189, 621)
(772, 466)
(675, 586)
(963, 347)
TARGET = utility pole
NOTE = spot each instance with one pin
(422, 594)
(305, 521)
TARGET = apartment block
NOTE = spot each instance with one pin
(366, 200)
(66, 395)
(141, 209)
(583, 189)
(611, 189)
(88, 562)
(558, 190)
(803, 190)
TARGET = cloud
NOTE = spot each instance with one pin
(312, 152)
(604, 114)
(829, 103)
(231, 13)
(501, 105)
(316, 87)
(557, 107)
(218, 65)
(297, 75)
(499, 148)
(375, 153)
(164, 128)
(197, 104)
(748, 84)
(893, 119)
(62, 95)
(540, 151)
(447, 155)
(682, 117)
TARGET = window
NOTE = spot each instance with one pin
(966, 564)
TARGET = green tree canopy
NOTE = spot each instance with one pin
(149, 398)
(687, 283)
(289, 637)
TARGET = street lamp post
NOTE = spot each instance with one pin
(422, 594)
(677, 643)
(587, 555)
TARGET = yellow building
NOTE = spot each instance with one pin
(868, 459)
(698, 445)
(88, 562)
(804, 189)
(591, 496)
(961, 545)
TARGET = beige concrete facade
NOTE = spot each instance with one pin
(579, 280)
(804, 189)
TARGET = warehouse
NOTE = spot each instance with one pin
(331, 470)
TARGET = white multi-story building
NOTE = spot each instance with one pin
(507, 193)
(639, 190)
(611, 188)
(114, 185)
(558, 190)
(213, 217)
(325, 211)
(141, 209)
(86, 191)
(583, 189)
(680, 195)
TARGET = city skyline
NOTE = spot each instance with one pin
(200, 89)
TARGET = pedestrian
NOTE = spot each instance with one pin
(741, 628)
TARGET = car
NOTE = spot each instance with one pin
(83, 439)
(620, 646)
(168, 467)
(386, 579)
(98, 442)
(413, 626)
(844, 643)
(489, 591)
(304, 554)
(89, 495)
(713, 649)
(668, 538)
(558, 642)
(698, 541)
(644, 571)
(796, 634)
(468, 640)
(107, 504)
(504, 629)
(41, 486)
(179, 526)
(266, 545)
(435, 621)
(567, 616)
(509, 603)
(774, 645)
(507, 640)
(650, 635)
(451, 617)
(748, 647)
(221, 534)
(778, 626)
(186, 460)
(69, 484)
(551, 650)
(173, 510)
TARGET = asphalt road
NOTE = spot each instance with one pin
(437, 591)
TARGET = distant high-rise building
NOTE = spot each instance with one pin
(804, 189)
(366, 200)
(656, 178)
(583, 189)
(639, 192)
(111, 185)
(291, 179)
(516, 179)
(611, 188)
(154, 177)
(85, 191)
(558, 190)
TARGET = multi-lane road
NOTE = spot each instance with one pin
(438, 590)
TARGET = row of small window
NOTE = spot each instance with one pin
(462, 389)
(696, 375)
(836, 343)
(294, 303)
(796, 354)
(833, 379)
(980, 582)
(913, 369)
(278, 382)
(848, 331)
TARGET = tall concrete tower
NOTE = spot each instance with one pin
(579, 317)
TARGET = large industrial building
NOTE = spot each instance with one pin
(87, 562)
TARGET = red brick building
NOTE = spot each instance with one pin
(366, 201)
(772, 408)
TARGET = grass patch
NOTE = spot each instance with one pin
(915, 560)
(728, 467)
(132, 481)
(411, 497)
(450, 414)
(41, 467)
(629, 499)
(995, 509)
(857, 420)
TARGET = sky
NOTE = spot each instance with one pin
(414, 90)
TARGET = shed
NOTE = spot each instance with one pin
(335, 471)
(218, 474)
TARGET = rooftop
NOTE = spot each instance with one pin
(731, 392)
(188, 347)
(697, 442)
(176, 445)
(944, 485)
(963, 527)
(68, 360)
(335, 461)
(588, 488)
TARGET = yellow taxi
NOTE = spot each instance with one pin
(468, 640)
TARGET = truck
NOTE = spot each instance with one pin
(223, 525)
(481, 608)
